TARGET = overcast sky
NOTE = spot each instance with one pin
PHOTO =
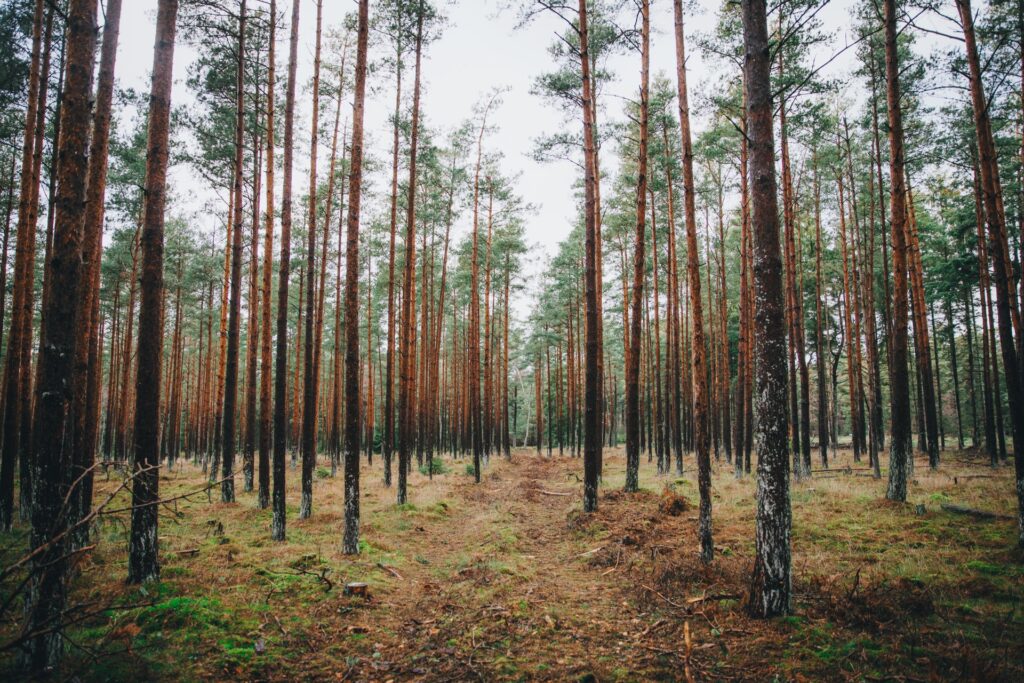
(480, 49)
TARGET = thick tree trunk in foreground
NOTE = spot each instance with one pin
(770, 583)
(143, 561)
(87, 359)
(52, 440)
(350, 544)
(700, 404)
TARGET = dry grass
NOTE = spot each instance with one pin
(507, 580)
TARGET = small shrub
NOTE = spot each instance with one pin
(436, 466)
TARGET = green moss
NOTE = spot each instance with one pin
(989, 568)
(181, 612)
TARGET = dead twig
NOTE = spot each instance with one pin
(671, 602)
(390, 570)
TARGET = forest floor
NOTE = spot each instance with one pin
(506, 580)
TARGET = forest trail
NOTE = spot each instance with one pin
(500, 578)
(507, 580)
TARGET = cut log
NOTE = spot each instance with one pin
(357, 590)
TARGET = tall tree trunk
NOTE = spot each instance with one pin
(252, 332)
(899, 385)
(955, 370)
(86, 372)
(700, 406)
(633, 368)
(819, 325)
(227, 486)
(592, 375)
(266, 372)
(407, 387)
(388, 442)
(770, 583)
(923, 342)
(52, 444)
(744, 361)
(284, 271)
(309, 384)
(350, 544)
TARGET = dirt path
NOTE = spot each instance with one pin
(501, 584)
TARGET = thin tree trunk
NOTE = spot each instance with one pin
(407, 387)
(266, 372)
(592, 373)
(309, 401)
(700, 407)
(633, 367)
(284, 271)
(227, 486)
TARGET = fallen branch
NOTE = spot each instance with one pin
(973, 512)
(712, 598)
(590, 552)
(674, 604)
(390, 570)
(555, 493)
(957, 478)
